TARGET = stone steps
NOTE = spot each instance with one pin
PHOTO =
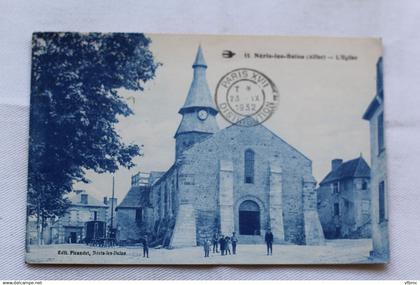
(245, 239)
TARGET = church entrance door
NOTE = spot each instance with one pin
(249, 218)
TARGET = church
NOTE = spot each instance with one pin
(237, 179)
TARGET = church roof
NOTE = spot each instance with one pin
(247, 121)
(355, 168)
(137, 197)
(199, 94)
(189, 125)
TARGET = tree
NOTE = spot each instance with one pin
(75, 107)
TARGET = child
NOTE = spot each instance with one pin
(227, 245)
(206, 246)
(145, 242)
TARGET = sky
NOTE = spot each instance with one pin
(320, 109)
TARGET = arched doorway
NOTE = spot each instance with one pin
(249, 218)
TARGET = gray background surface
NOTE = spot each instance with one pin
(397, 22)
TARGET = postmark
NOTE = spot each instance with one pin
(246, 93)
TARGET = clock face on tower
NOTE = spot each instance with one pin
(202, 114)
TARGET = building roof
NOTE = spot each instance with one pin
(199, 95)
(154, 176)
(355, 168)
(373, 106)
(76, 200)
(137, 197)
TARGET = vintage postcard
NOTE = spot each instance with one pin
(206, 149)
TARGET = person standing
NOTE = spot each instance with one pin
(206, 246)
(269, 237)
(234, 241)
(145, 246)
(222, 245)
(227, 245)
(215, 241)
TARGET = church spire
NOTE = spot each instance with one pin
(199, 110)
(199, 94)
(199, 59)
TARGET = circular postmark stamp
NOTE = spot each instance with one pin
(246, 93)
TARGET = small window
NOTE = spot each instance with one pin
(346, 204)
(336, 209)
(95, 215)
(379, 77)
(336, 187)
(249, 166)
(365, 207)
(381, 144)
(381, 202)
(139, 216)
(84, 199)
(364, 185)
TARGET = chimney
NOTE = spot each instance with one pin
(84, 198)
(335, 163)
(105, 200)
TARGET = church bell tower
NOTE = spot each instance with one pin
(199, 110)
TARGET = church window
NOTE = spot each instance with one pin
(381, 202)
(249, 166)
(336, 209)
(336, 187)
(139, 216)
(166, 200)
(381, 144)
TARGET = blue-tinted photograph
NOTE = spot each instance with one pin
(206, 149)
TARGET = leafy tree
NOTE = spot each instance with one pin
(75, 107)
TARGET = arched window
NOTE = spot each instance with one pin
(249, 166)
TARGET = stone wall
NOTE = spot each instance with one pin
(184, 233)
(276, 203)
(378, 170)
(313, 229)
(129, 230)
(352, 220)
(226, 197)
(201, 178)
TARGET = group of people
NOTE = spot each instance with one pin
(223, 244)
(220, 244)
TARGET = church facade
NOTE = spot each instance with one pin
(238, 179)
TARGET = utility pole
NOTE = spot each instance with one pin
(112, 202)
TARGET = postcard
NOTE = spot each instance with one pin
(206, 149)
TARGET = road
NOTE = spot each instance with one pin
(334, 251)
